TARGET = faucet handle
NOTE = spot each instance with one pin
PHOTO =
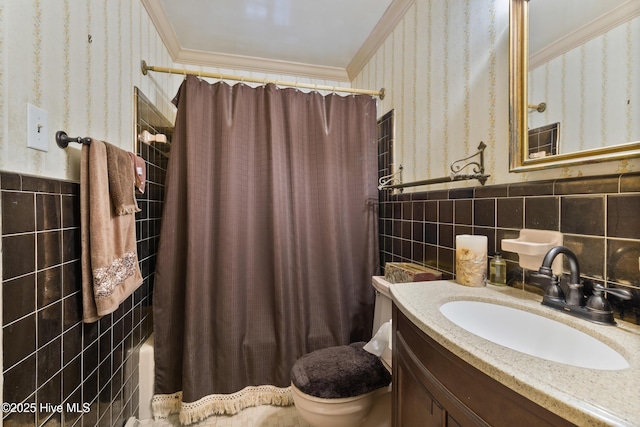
(597, 302)
(620, 293)
(554, 291)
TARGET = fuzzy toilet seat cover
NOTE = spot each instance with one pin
(339, 372)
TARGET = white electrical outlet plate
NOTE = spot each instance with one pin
(37, 128)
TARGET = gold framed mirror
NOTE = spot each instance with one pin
(617, 120)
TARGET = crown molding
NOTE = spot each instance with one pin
(394, 13)
(163, 26)
(263, 65)
(392, 16)
(612, 19)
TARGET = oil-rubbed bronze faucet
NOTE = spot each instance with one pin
(595, 309)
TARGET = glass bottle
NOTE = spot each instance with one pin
(498, 270)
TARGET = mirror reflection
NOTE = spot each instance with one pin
(587, 80)
(580, 91)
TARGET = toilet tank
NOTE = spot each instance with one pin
(382, 310)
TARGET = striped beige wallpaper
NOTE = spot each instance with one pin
(79, 61)
(445, 67)
(3, 79)
(446, 70)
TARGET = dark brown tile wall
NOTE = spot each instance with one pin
(598, 217)
(49, 354)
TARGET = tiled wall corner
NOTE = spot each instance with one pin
(50, 355)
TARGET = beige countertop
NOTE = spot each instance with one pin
(583, 396)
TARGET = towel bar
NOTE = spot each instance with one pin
(388, 182)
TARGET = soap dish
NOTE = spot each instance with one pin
(531, 247)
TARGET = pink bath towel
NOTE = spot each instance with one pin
(140, 172)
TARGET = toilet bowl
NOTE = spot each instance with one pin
(370, 409)
(340, 412)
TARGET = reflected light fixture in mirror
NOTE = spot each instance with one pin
(572, 148)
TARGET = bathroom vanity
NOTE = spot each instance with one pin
(444, 375)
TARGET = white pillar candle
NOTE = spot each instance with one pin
(471, 260)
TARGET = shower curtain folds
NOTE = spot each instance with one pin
(268, 242)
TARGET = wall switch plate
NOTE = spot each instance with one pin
(37, 128)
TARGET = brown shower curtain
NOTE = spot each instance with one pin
(268, 242)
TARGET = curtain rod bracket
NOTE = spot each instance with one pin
(540, 108)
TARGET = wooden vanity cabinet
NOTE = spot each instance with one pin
(434, 387)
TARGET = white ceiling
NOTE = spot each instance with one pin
(327, 39)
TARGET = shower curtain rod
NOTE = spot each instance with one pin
(146, 68)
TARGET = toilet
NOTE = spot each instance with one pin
(359, 392)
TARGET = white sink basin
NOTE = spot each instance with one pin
(533, 334)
